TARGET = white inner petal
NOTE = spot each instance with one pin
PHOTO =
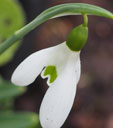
(59, 59)
(47, 76)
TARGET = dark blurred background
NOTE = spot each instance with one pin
(93, 106)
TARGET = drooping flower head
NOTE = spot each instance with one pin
(61, 65)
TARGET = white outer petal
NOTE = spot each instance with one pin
(31, 67)
(59, 98)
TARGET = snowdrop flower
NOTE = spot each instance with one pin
(61, 65)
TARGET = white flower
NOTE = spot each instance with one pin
(63, 72)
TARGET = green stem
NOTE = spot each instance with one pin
(85, 20)
(56, 11)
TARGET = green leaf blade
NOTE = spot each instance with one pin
(18, 120)
(12, 18)
(8, 90)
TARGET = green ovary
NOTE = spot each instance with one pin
(77, 38)
(52, 72)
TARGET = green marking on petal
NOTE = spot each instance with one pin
(77, 38)
(52, 72)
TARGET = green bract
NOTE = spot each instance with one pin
(77, 38)
(11, 19)
(56, 11)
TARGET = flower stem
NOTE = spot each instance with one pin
(85, 20)
(56, 11)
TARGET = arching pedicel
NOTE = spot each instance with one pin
(53, 12)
